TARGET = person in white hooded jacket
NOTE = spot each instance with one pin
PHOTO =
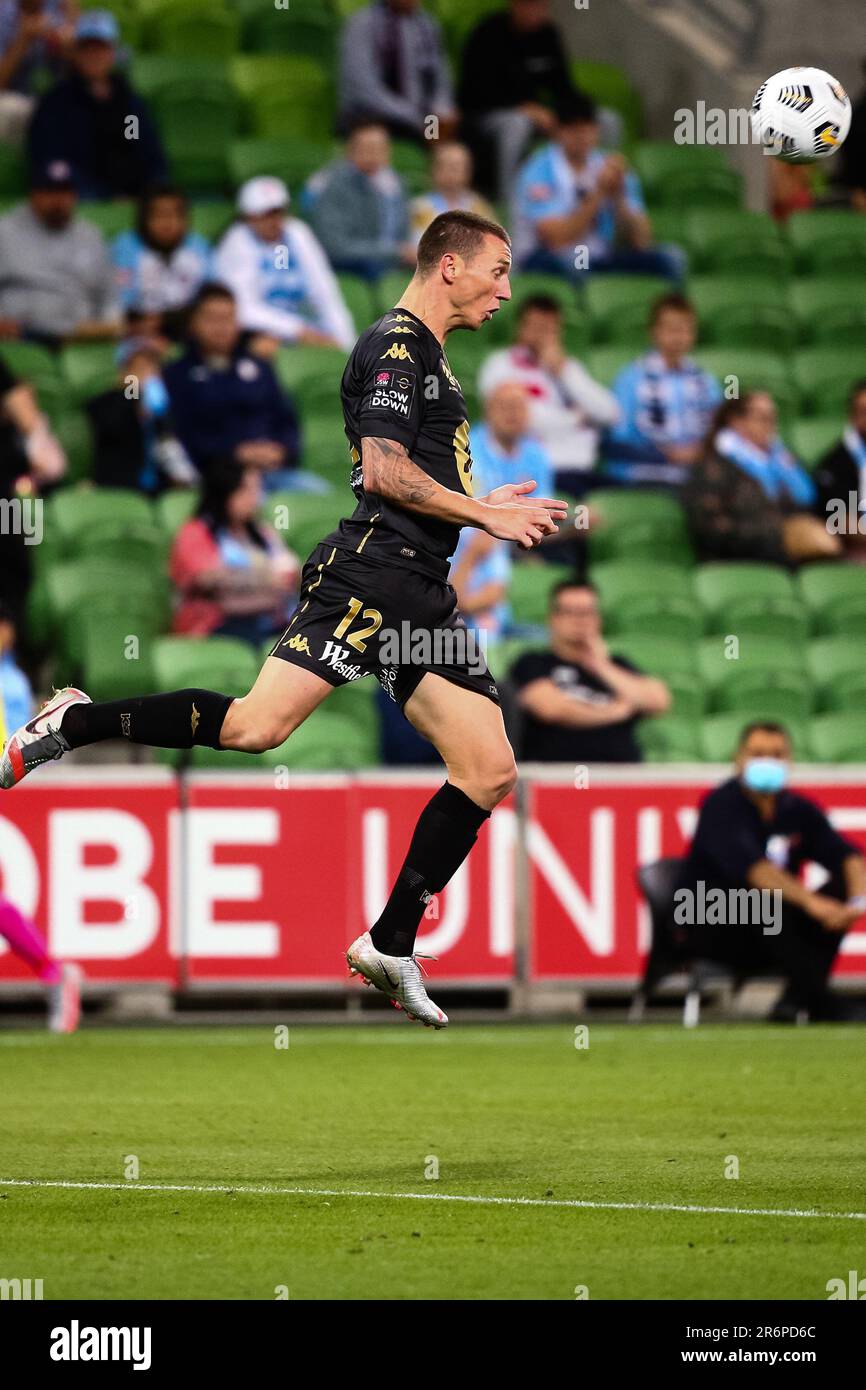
(283, 284)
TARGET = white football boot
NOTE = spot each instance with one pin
(399, 977)
(40, 740)
(64, 1000)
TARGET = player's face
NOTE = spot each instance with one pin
(481, 284)
(575, 617)
(674, 333)
(166, 222)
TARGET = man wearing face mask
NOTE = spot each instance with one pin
(753, 832)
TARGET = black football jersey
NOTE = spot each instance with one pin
(398, 385)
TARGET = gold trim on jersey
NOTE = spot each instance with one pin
(462, 457)
(367, 535)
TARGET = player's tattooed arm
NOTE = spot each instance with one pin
(390, 473)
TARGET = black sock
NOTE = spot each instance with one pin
(446, 831)
(176, 720)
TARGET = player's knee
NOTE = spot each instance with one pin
(500, 779)
(256, 731)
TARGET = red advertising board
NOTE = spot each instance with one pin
(235, 878)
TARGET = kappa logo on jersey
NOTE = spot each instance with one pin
(335, 656)
(399, 318)
(399, 352)
(298, 644)
(404, 330)
(392, 391)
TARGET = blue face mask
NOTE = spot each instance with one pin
(766, 775)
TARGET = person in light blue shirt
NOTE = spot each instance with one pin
(578, 210)
(16, 695)
(161, 265)
(481, 573)
(666, 401)
(503, 450)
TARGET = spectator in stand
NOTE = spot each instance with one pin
(514, 73)
(56, 282)
(572, 198)
(393, 70)
(567, 408)
(840, 478)
(135, 444)
(278, 272)
(358, 209)
(160, 266)
(748, 498)
(579, 704)
(87, 119)
(666, 402)
(34, 38)
(480, 574)
(226, 401)
(31, 461)
(451, 176)
(233, 575)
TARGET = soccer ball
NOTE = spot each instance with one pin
(801, 113)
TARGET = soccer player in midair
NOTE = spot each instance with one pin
(382, 571)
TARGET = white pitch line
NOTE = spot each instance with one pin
(430, 1197)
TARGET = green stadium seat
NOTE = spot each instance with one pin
(765, 655)
(756, 370)
(525, 284)
(72, 512)
(73, 431)
(214, 663)
(198, 31)
(823, 377)
(724, 240)
(325, 450)
(292, 161)
(139, 545)
(295, 29)
(636, 598)
(88, 369)
(297, 366)
(670, 739)
(174, 507)
(97, 583)
(529, 590)
(110, 218)
(359, 299)
(742, 311)
(827, 312)
(13, 172)
(643, 521)
(32, 363)
(825, 586)
(810, 440)
(303, 519)
(701, 189)
(764, 694)
(658, 656)
(720, 734)
(619, 306)
(112, 667)
(152, 73)
(760, 617)
(356, 701)
(655, 161)
(212, 219)
(837, 667)
(299, 103)
(606, 363)
(503, 653)
(828, 242)
(609, 86)
(839, 737)
(750, 599)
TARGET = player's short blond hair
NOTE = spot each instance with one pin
(459, 232)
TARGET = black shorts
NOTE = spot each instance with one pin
(358, 617)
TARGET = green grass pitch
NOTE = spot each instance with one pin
(649, 1115)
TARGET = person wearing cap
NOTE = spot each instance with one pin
(358, 207)
(56, 281)
(96, 121)
(571, 197)
(278, 273)
(34, 38)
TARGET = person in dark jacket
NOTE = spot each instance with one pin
(227, 401)
(514, 74)
(96, 122)
(747, 497)
(840, 478)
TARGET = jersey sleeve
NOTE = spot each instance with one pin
(393, 377)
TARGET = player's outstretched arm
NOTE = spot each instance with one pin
(390, 473)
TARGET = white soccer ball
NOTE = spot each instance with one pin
(801, 113)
